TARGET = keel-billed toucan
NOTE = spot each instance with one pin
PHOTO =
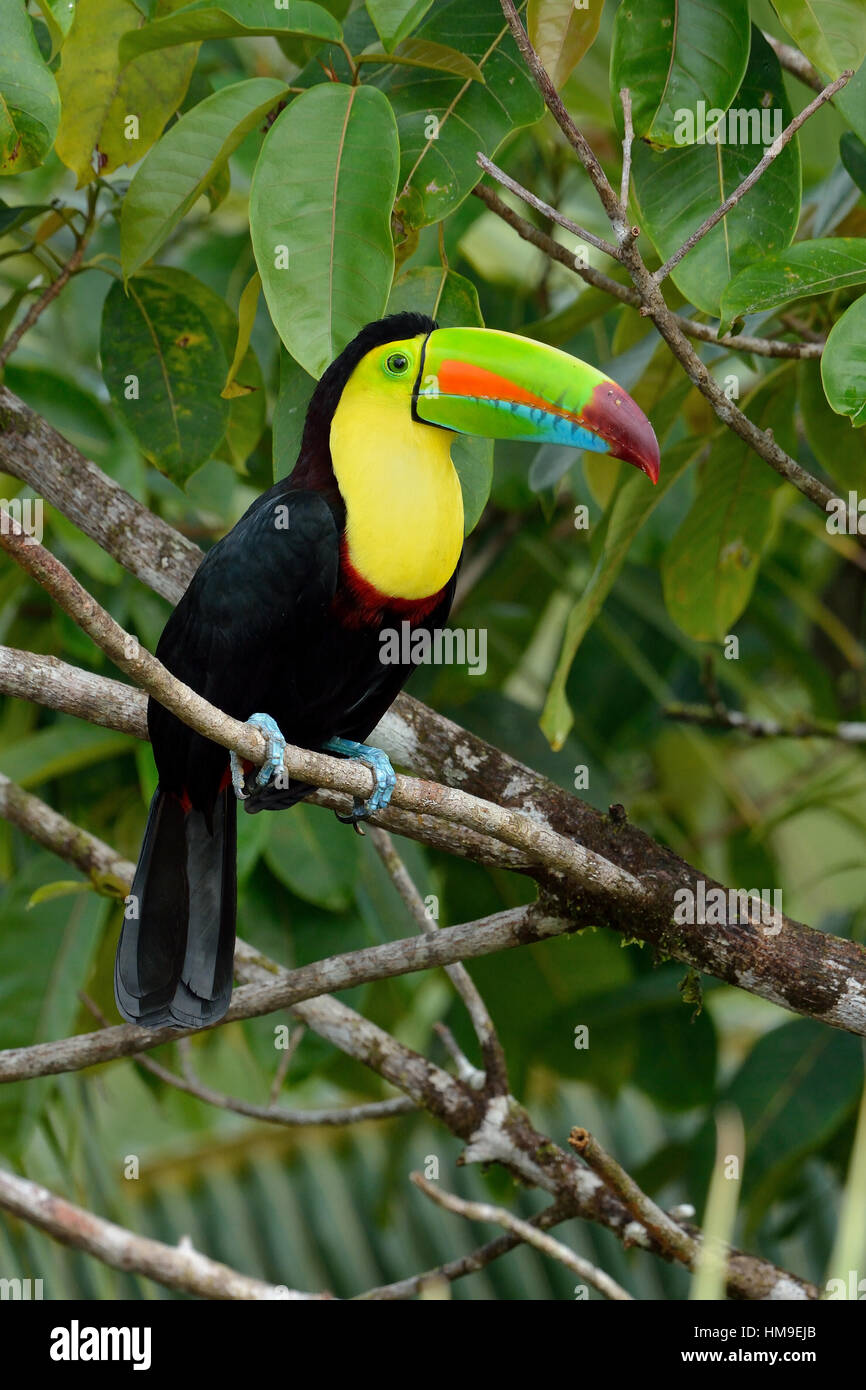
(284, 614)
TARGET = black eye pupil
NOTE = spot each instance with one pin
(398, 362)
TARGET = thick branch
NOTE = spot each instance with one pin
(809, 972)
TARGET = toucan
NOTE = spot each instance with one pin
(282, 622)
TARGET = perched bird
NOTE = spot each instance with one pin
(281, 622)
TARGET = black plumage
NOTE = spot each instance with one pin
(268, 623)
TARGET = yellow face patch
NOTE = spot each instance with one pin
(404, 506)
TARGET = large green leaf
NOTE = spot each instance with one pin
(100, 96)
(248, 406)
(678, 188)
(184, 162)
(315, 856)
(830, 435)
(562, 33)
(444, 122)
(852, 152)
(231, 19)
(831, 33)
(320, 209)
(44, 959)
(674, 55)
(395, 19)
(29, 102)
(296, 388)
(633, 503)
(795, 1089)
(164, 366)
(843, 364)
(421, 53)
(806, 268)
(710, 566)
(453, 301)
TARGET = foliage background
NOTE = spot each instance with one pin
(321, 1209)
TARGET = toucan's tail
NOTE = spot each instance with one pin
(174, 958)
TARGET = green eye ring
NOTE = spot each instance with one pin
(397, 363)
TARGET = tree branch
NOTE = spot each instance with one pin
(809, 972)
(176, 1267)
(770, 154)
(527, 1233)
(734, 342)
(652, 301)
(799, 727)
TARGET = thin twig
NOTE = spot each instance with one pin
(544, 208)
(466, 1264)
(662, 1227)
(801, 726)
(770, 154)
(740, 342)
(529, 1234)
(495, 1064)
(628, 141)
(270, 1114)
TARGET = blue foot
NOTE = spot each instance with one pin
(276, 748)
(382, 771)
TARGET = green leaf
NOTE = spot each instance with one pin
(29, 101)
(231, 19)
(58, 16)
(444, 122)
(634, 501)
(831, 33)
(852, 152)
(673, 55)
(851, 101)
(320, 208)
(710, 566)
(394, 19)
(795, 1089)
(830, 435)
(806, 268)
(677, 189)
(12, 217)
(100, 96)
(246, 318)
(248, 408)
(453, 301)
(185, 162)
(561, 34)
(315, 856)
(164, 367)
(61, 888)
(843, 364)
(296, 389)
(420, 53)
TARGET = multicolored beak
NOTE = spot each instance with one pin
(501, 386)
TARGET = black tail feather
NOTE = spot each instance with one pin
(174, 958)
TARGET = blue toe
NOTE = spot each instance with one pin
(382, 770)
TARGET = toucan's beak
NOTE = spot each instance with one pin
(501, 386)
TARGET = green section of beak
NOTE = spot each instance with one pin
(501, 386)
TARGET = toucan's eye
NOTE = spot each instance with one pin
(397, 363)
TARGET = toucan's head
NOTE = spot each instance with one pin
(484, 382)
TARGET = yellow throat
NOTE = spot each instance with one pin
(404, 506)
